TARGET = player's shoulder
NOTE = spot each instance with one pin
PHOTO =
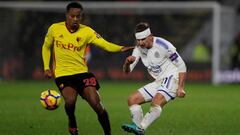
(57, 25)
(86, 28)
(163, 43)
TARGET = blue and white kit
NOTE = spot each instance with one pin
(164, 64)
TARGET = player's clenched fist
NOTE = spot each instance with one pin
(130, 59)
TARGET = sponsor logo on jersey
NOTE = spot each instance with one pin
(68, 46)
(156, 69)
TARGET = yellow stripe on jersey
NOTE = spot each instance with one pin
(69, 48)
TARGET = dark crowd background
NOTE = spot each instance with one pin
(22, 35)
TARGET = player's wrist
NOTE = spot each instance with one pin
(46, 69)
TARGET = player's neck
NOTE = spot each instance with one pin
(71, 29)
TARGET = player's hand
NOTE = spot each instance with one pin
(126, 66)
(127, 48)
(181, 93)
(130, 59)
(48, 74)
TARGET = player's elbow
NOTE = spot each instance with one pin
(182, 68)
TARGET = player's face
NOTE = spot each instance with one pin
(73, 18)
(145, 42)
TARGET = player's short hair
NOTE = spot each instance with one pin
(141, 27)
(74, 5)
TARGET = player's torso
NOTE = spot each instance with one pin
(157, 62)
(69, 49)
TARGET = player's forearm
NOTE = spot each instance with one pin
(113, 47)
(182, 78)
(46, 54)
(126, 68)
(108, 46)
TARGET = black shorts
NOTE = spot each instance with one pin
(78, 81)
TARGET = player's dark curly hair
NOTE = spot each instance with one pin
(141, 27)
(74, 5)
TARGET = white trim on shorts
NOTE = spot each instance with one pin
(166, 87)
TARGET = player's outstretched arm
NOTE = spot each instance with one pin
(127, 48)
(111, 47)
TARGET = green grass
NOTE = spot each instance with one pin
(206, 110)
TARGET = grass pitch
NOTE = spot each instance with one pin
(206, 110)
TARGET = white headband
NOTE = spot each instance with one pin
(143, 34)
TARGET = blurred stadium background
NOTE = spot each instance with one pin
(206, 34)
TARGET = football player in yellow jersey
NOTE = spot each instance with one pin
(69, 41)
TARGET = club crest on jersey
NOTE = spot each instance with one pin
(78, 39)
(156, 54)
(98, 35)
(61, 36)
